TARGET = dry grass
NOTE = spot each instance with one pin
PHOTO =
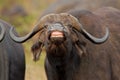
(34, 70)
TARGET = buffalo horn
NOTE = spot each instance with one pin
(36, 29)
(78, 26)
(25, 38)
(75, 24)
(94, 39)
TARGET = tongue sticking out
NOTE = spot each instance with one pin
(57, 34)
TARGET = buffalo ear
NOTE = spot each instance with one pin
(37, 47)
(79, 43)
(81, 48)
(36, 50)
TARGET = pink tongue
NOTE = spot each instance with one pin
(56, 34)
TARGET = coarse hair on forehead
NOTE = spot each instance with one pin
(63, 18)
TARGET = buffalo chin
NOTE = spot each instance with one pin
(57, 50)
(57, 37)
(57, 40)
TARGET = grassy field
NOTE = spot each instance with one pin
(34, 70)
(24, 24)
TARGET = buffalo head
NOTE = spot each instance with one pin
(59, 31)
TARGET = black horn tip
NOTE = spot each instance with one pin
(18, 39)
(94, 39)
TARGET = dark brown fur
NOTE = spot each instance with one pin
(102, 61)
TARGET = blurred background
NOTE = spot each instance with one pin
(23, 14)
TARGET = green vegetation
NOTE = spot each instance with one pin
(23, 24)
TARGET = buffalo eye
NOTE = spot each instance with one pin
(46, 26)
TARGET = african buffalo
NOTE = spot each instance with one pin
(12, 59)
(70, 56)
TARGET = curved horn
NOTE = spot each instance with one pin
(2, 35)
(74, 21)
(94, 39)
(25, 38)
(37, 28)
(76, 24)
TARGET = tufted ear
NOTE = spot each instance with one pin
(79, 43)
(36, 50)
(37, 47)
(81, 48)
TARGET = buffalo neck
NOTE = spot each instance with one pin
(66, 65)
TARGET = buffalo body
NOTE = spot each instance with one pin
(12, 59)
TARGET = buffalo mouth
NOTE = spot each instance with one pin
(57, 37)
